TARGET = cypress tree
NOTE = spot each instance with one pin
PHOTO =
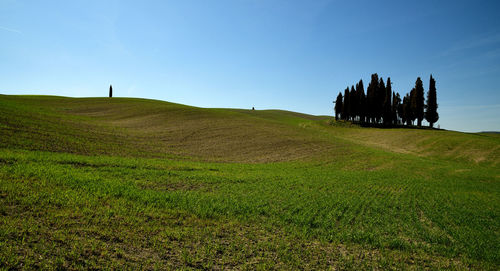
(110, 91)
(396, 102)
(404, 105)
(412, 112)
(380, 100)
(353, 102)
(371, 100)
(346, 106)
(338, 106)
(419, 96)
(400, 110)
(368, 102)
(387, 105)
(407, 109)
(361, 100)
(431, 114)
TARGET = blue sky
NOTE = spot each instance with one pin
(294, 55)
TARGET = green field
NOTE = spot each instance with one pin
(134, 183)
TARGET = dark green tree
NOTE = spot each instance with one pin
(431, 114)
(400, 111)
(412, 112)
(407, 111)
(380, 97)
(419, 96)
(338, 106)
(371, 98)
(346, 108)
(396, 101)
(110, 91)
(353, 101)
(387, 105)
(360, 90)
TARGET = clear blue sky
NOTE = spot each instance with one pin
(294, 55)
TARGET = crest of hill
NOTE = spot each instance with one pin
(151, 128)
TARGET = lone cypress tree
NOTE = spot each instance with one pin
(419, 113)
(338, 106)
(431, 114)
(110, 91)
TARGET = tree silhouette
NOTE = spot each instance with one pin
(346, 108)
(353, 103)
(419, 96)
(110, 91)
(396, 101)
(400, 110)
(413, 106)
(387, 105)
(338, 106)
(407, 111)
(431, 114)
(361, 101)
(380, 97)
(371, 98)
(381, 105)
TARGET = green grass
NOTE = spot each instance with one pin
(113, 183)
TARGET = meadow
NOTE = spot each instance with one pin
(133, 183)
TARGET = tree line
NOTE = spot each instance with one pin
(382, 106)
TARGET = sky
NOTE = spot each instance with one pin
(267, 54)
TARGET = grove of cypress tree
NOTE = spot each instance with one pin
(431, 114)
(419, 113)
(382, 105)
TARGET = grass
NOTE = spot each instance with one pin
(114, 183)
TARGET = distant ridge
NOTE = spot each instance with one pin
(491, 132)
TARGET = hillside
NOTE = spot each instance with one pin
(99, 183)
(149, 128)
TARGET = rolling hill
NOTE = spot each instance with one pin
(149, 128)
(113, 182)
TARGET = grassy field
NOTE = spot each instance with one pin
(134, 183)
